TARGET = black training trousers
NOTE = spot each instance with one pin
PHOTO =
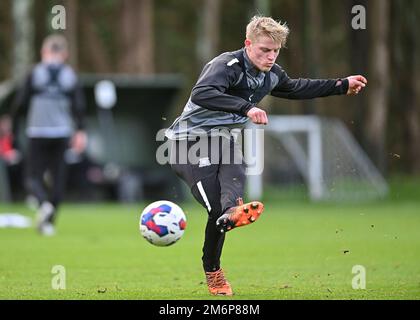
(47, 155)
(216, 177)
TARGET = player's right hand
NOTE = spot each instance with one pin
(356, 84)
(258, 116)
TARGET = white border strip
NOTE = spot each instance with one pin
(203, 194)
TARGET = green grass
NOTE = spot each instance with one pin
(295, 251)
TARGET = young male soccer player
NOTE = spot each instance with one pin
(56, 104)
(225, 97)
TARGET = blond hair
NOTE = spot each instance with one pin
(266, 26)
(56, 43)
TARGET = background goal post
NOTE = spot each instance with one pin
(319, 152)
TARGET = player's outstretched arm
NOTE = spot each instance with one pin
(356, 84)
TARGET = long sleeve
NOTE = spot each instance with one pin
(22, 97)
(20, 102)
(210, 90)
(307, 88)
(78, 106)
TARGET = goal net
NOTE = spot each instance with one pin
(318, 153)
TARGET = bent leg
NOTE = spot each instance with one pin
(232, 175)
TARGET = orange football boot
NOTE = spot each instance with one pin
(240, 216)
(217, 283)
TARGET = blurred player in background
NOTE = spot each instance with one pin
(226, 96)
(55, 109)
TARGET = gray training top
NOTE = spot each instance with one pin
(223, 95)
(54, 100)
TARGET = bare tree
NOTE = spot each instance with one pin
(311, 37)
(406, 69)
(379, 80)
(137, 36)
(209, 35)
(23, 50)
(97, 57)
(71, 29)
(359, 44)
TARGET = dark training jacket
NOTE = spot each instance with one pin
(223, 94)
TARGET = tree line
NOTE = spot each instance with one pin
(180, 36)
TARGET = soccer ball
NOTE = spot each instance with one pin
(162, 223)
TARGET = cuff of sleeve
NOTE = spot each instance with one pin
(344, 86)
(245, 109)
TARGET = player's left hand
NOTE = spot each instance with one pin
(79, 141)
(356, 84)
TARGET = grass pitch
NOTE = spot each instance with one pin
(295, 251)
